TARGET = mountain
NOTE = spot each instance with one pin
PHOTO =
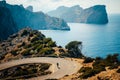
(69, 14)
(30, 8)
(35, 20)
(96, 14)
(7, 24)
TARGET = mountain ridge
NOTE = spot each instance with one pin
(96, 14)
(24, 17)
(21, 18)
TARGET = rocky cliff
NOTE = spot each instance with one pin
(96, 14)
(7, 24)
(36, 20)
(69, 14)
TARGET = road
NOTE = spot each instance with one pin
(60, 67)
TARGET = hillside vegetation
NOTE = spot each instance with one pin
(32, 43)
(25, 71)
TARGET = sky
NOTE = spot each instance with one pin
(112, 6)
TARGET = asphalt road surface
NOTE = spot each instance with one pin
(60, 67)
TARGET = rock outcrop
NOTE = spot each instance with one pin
(30, 8)
(96, 14)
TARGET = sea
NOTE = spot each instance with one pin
(97, 40)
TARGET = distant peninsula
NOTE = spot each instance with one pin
(95, 15)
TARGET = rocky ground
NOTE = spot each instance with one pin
(108, 74)
(28, 43)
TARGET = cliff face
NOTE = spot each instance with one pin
(96, 14)
(36, 20)
(7, 24)
(16, 17)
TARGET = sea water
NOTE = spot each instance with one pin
(98, 40)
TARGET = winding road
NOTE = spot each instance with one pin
(60, 66)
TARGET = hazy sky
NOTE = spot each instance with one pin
(113, 6)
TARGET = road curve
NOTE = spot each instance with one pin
(66, 67)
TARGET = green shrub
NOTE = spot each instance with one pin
(98, 58)
(87, 72)
(37, 33)
(111, 59)
(64, 55)
(118, 71)
(14, 52)
(73, 44)
(23, 44)
(59, 46)
(88, 60)
(34, 70)
(98, 69)
(74, 49)
(39, 48)
(25, 32)
(114, 66)
(99, 65)
(34, 47)
(37, 42)
(47, 51)
(26, 52)
(35, 38)
(51, 44)
(31, 34)
(20, 72)
(44, 67)
(2, 57)
(84, 69)
(27, 46)
(61, 51)
(46, 40)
